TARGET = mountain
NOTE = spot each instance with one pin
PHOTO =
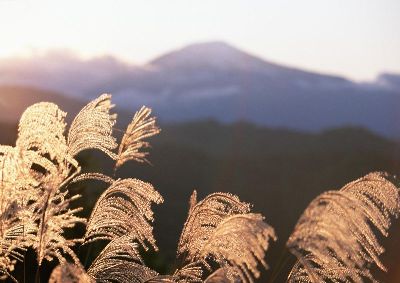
(389, 80)
(216, 80)
(63, 72)
(15, 99)
(221, 58)
(244, 139)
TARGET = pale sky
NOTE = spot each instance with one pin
(355, 38)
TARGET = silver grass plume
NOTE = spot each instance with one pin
(120, 262)
(57, 216)
(221, 228)
(334, 239)
(92, 128)
(41, 140)
(202, 219)
(70, 273)
(18, 184)
(218, 276)
(332, 271)
(124, 208)
(41, 129)
(161, 279)
(191, 273)
(93, 176)
(141, 127)
(238, 244)
(17, 217)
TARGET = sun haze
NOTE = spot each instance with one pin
(356, 38)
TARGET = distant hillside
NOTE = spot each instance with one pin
(15, 99)
(245, 139)
(218, 81)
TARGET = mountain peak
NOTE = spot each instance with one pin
(216, 54)
(211, 47)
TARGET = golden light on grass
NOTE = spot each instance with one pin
(222, 239)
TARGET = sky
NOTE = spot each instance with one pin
(355, 38)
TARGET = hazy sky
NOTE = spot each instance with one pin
(356, 38)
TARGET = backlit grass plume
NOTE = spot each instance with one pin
(18, 220)
(35, 202)
(41, 140)
(124, 209)
(120, 261)
(92, 128)
(334, 240)
(70, 273)
(142, 126)
(222, 229)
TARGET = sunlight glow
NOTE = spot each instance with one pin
(355, 38)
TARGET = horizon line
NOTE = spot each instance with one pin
(71, 53)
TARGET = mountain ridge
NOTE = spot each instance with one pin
(228, 56)
(218, 81)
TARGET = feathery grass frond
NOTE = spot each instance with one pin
(335, 239)
(92, 128)
(18, 185)
(120, 262)
(41, 142)
(327, 272)
(41, 129)
(238, 244)
(221, 228)
(192, 201)
(17, 217)
(70, 273)
(203, 217)
(190, 273)
(218, 276)
(141, 127)
(16, 236)
(161, 279)
(57, 216)
(93, 176)
(124, 208)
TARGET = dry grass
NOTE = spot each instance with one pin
(222, 239)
